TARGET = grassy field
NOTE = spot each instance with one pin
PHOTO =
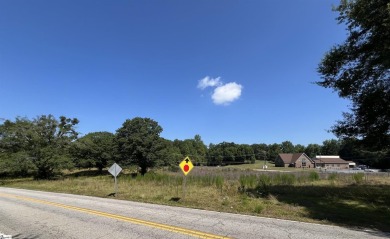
(348, 200)
(270, 167)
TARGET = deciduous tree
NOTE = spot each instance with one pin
(94, 150)
(330, 147)
(42, 142)
(312, 150)
(359, 70)
(139, 142)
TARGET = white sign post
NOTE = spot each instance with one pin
(115, 169)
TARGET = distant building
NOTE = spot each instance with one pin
(298, 160)
(330, 162)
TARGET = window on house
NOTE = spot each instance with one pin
(303, 162)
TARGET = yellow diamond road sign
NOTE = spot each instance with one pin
(186, 165)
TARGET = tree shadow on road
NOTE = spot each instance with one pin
(20, 236)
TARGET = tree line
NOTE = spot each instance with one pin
(45, 145)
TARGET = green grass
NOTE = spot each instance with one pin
(301, 195)
(258, 165)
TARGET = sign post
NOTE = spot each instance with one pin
(186, 166)
(115, 169)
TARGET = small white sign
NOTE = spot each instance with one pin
(115, 169)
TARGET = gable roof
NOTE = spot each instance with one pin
(329, 159)
(292, 158)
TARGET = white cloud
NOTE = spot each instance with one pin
(208, 81)
(223, 94)
(227, 93)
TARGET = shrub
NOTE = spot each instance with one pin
(225, 201)
(174, 168)
(332, 176)
(358, 177)
(258, 208)
(289, 179)
(207, 180)
(284, 179)
(219, 182)
(248, 181)
(313, 176)
(302, 179)
(264, 182)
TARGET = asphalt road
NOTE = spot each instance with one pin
(35, 214)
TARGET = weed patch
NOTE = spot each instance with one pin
(358, 177)
(332, 177)
(313, 176)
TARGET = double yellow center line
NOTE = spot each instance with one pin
(175, 229)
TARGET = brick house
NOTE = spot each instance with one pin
(297, 160)
(330, 162)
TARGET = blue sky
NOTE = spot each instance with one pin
(236, 71)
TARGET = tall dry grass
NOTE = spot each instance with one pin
(310, 196)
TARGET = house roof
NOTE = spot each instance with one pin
(330, 159)
(292, 158)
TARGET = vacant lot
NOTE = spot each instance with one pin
(352, 200)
